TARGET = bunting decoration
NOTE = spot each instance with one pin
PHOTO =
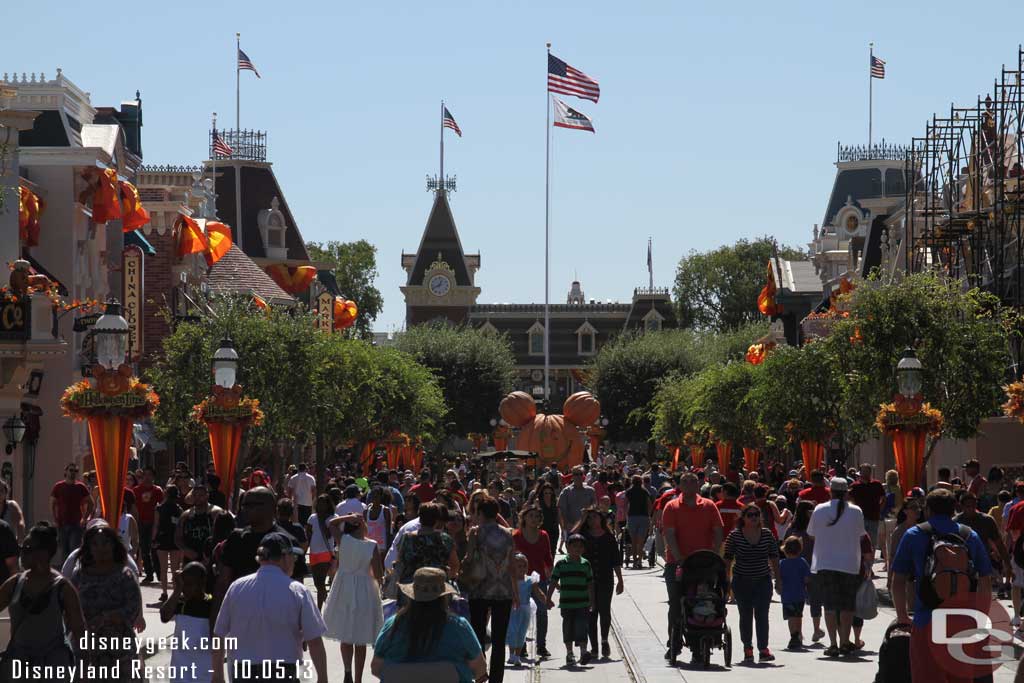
(191, 239)
(218, 239)
(30, 208)
(292, 279)
(345, 313)
(766, 299)
(106, 199)
(134, 214)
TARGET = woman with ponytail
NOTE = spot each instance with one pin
(837, 527)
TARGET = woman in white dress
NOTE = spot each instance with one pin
(353, 612)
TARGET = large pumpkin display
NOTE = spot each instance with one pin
(555, 438)
(582, 409)
(518, 409)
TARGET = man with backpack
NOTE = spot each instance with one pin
(944, 558)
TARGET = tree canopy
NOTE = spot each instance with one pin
(308, 382)
(355, 268)
(626, 372)
(717, 290)
(475, 370)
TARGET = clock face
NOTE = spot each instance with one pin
(439, 285)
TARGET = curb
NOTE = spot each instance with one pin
(628, 656)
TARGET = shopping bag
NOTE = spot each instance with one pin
(867, 600)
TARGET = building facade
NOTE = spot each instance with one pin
(440, 287)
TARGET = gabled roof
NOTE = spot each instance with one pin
(440, 236)
(235, 273)
(259, 187)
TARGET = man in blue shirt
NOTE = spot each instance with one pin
(909, 561)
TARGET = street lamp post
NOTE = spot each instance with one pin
(226, 414)
(111, 402)
(909, 375)
(14, 431)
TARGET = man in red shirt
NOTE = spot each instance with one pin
(869, 495)
(690, 523)
(425, 489)
(817, 492)
(71, 504)
(729, 507)
(147, 496)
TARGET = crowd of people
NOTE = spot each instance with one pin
(443, 572)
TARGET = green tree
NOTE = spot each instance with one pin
(355, 267)
(626, 372)
(475, 369)
(795, 397)
(960, 336)
(718, 404)
(718, 289)
(277, 361)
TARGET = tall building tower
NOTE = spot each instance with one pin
(440, 275)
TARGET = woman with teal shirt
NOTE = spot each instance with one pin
(424, 631)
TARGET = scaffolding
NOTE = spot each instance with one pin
(965, 192)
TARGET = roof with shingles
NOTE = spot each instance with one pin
(235, 273)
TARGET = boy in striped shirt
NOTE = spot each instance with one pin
(574, 579)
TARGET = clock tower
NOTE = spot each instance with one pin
(440, 275)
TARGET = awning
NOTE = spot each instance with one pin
(135, 238)
(37, 269)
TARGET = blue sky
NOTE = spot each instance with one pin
(716, 121)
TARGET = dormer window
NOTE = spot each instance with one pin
(653, 320)
(536, 339)
(488, 328)
(272, 227)
(586, 339)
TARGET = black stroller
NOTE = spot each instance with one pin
(701, 626)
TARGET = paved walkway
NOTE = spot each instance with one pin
(641, 623)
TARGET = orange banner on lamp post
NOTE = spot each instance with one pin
(813, 454)
(751, 459)
(109, 437)
(908, 447)
(724, 451)
(225, 441)
(675, 457)
(697, 456)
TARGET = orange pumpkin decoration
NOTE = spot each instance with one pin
(517, 409)
(553, 439)
(581, 409)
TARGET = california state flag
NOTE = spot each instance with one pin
(567, 117)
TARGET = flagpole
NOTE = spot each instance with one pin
(547, 231)
(441, 178)
(213, 157)
(238, 80)
(871, 88)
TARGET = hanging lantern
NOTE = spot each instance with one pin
(909, 374)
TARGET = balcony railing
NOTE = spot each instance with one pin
(878, 152)
(250, 145)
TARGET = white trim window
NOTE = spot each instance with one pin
(586, 339)
(535, 337)
(653, 320)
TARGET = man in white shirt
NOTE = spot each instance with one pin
(271, 616)
(410, 526)
(302, 490)
(351, 505)
(837, 528)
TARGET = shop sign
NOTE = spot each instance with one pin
(131, 269)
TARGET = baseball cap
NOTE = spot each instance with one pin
(838, 484)
(276, 545)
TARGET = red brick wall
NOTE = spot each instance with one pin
(158, 285)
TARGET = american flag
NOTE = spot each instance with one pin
(567, 117)
(221, 148)
(566, 80)
(877, 67)
(448, 121)
(245, 63)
